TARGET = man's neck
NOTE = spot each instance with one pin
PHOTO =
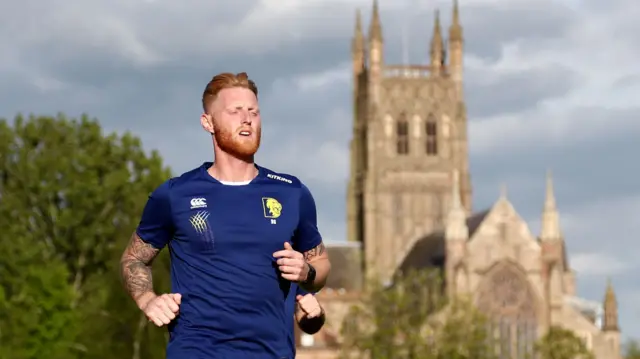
(227, 168)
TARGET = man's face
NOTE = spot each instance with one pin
(236, 122)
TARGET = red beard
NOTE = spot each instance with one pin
(238, 146)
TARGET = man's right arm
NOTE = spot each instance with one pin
(153, 233)
(135, 268)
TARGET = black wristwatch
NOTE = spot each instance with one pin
(311, 275)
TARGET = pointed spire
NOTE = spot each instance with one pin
(610, 322)
(610, 293)
(503, 191)
(357, 45)
(550, 229)
(437, 45)
(358, 31)
(455, 31)
(456, 13)
(550, 197)
(436, 41)
(375, 29)
(457, 218)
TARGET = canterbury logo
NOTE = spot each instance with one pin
(198, 203)
(199, 221)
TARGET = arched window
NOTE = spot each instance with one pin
(508, 300)
(402, 134)
(431, 130)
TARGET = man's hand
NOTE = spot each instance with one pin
(162, 309)
(309, 314)
(309, 305)
(292, 264)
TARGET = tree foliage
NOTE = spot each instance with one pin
(70, 197)
(561, 343)
(632, 350)
(412, 319)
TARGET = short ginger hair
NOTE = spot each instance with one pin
(223, 81)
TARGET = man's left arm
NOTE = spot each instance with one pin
(309, 242)
(309, 325)
(318, 268)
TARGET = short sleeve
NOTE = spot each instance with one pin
(156, 225)
(307, 235)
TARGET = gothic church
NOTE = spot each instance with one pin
(409, 205)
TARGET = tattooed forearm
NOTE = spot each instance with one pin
(320, 259)
(315, 252)
(135, 267)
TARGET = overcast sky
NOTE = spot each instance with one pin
(549, 83)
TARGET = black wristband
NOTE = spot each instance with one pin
(311, 275)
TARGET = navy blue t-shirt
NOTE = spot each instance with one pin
(221, 240)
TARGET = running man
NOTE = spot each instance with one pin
(239, 235)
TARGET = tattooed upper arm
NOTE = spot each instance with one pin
(316, 252)
(140, 250)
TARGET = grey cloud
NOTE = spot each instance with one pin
(164, 92)
(585, 172)
(626, 81)
(488, 28)
(517, 91)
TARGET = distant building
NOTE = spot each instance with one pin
(409, 206)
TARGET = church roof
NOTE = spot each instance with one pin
(346, 257)
(475, 220)
(429, 251)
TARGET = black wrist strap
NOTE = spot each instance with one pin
(311, 275)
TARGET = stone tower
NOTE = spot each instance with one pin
(409, 138)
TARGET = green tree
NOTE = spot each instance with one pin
(72, 196)
(412, 319)
(36, 318)
(632, 349)
(560, 343)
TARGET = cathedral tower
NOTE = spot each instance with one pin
(409, 138)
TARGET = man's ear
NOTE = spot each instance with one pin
(206, 121)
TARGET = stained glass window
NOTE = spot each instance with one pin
(509, 301)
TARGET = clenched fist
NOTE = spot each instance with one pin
(309, 305)
(291, 263)
(162, 309)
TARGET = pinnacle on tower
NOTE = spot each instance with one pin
(504, 191)
(550, 229)
(456, 219)
(436, 40)
(437, 45)
(550, 198)
(375, 29)
(610, 322)
(357, 44)
(455, 30)
(358, 34)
